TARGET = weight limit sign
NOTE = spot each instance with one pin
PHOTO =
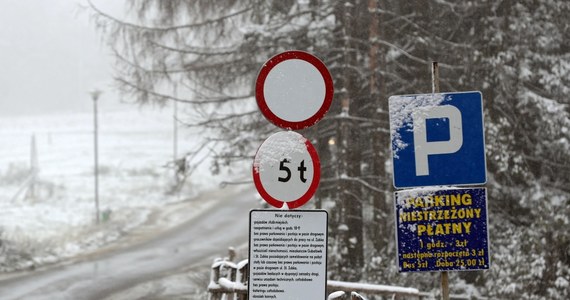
(286, 170)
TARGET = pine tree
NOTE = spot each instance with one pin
(207, 54)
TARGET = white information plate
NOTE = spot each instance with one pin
(287, 254)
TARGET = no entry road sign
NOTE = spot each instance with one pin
(294, 90)
(437, 139)
(286, 170)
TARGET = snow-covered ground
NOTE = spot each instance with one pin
(58, 221)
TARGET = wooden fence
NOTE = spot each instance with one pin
(228, 280)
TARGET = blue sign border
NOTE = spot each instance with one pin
(467, 166)
(426, 243)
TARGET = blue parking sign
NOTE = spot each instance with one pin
(442, 229)
(437, 139)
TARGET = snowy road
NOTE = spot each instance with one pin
(197, 241)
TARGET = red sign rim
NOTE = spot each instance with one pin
(260, 95)
(305, 197)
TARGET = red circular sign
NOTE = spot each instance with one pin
(286, 169)
(294, 90)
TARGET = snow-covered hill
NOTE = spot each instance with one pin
(59, 219)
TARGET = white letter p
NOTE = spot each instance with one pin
(422, 147)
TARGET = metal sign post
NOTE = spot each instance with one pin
(438, 140)
(435, 89)
(288, 248)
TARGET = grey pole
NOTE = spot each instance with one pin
(95, 96)
(175, 133)
(435, 89)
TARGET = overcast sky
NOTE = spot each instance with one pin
(50, 57)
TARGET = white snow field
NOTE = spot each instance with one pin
(58, 220)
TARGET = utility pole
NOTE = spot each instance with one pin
(95, 96)
(175, 131)
(34, 167)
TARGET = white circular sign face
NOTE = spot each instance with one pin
(286, 169)
(294, 90)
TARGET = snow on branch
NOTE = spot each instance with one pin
(168, 28)
(372, 288)
(177, 99)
